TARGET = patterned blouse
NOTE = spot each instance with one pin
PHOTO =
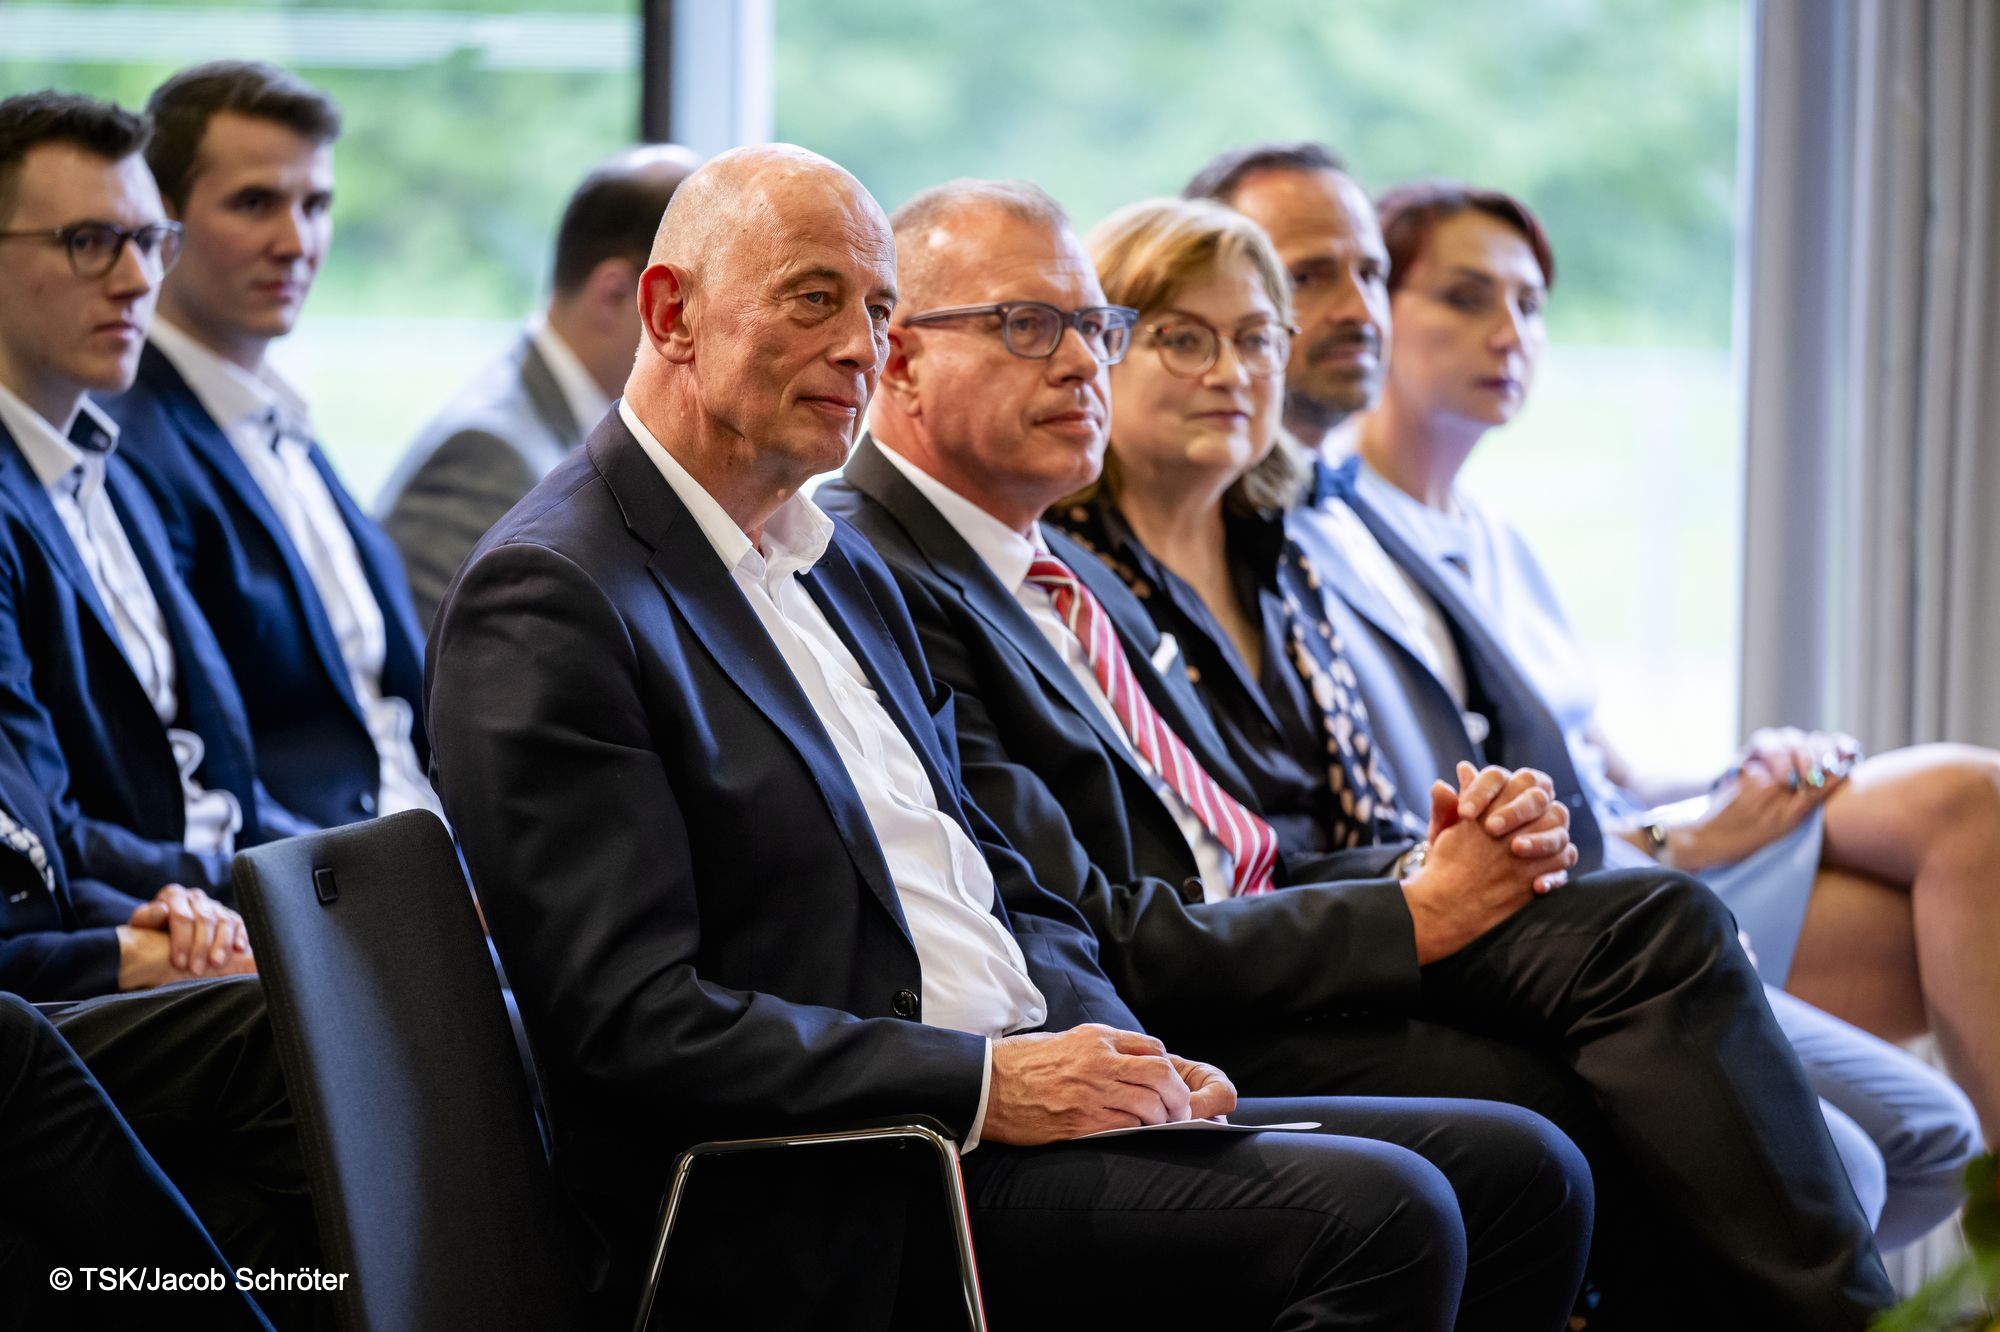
(1298, 728)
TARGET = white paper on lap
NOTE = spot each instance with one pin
(1211, 1125)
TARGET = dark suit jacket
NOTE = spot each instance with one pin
(313, 748)
(60, 943)
(1041, 759)
(681, 879)
(1524, 733)
(83, 725)
(498, 436)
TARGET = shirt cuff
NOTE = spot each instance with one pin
(979, 1117)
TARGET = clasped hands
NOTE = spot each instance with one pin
(182, 933)
(1495, 844)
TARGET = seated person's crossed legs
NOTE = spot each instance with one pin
(1083, 732)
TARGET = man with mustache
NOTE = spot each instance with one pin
(1578, 1003)
(305, 594)
(1903, 1130)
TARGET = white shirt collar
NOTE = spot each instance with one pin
(794, 537)
(580, 388)
(227, 392)
(50, 452)
(1006, 552)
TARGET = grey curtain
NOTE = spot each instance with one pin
(1868, 332)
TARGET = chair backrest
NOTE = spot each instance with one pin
(426, 1164)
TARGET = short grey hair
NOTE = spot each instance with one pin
(1017, 198)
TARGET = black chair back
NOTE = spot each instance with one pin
(427, 1168)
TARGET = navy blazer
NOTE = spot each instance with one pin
(313, 746)
(1041, 759)
(1524, 733)
(680, 878)
(78, 715)
(57, 942)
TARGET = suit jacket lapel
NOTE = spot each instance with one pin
(1338, 571)
(1171, 695)
(383, 569)
(1543, 745)
(19, 482)
(959, 564)
(546, 397)
(685, 566)
(210, 704)
(209, 442)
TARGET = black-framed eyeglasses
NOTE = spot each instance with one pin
(1190, 346)
(1034, 329)
(94, 247)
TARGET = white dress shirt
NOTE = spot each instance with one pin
(73, 475)
(974, 977)
(1425, 627)
(1009, 555)
(267, 424)
(580, 389)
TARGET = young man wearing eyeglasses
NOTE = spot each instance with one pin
(307, 597)
(111, 683)
(134, 778)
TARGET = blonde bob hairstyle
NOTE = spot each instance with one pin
(1146, 253)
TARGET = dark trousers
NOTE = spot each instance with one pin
(82, 1193)
(194, 1069)
(1411, 1216)
(1622, 1009)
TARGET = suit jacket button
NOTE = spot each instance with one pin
(905, 1004)
(1191, 890)
(367, 803)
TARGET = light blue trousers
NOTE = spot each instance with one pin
(1904, 1130)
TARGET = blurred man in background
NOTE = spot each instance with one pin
(306, 596)
(513, 423)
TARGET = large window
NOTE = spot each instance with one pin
(1614, 119)
(467, 127)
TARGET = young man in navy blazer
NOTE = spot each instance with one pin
(305, 594)
(709, 795)
(124, 757)
(112, 687)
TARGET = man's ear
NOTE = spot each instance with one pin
(902, 373)
(612, 287)
(664, 290)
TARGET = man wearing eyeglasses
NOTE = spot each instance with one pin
(111, 683)
(306, 595)
(990, 409)
(122, 710)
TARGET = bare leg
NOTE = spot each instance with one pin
(1922, 822)
(1857, 956)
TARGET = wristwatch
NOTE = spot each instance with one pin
(1411, 860)
(1657, 845)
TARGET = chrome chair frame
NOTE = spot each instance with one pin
(918, 1128)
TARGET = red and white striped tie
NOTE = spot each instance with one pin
(1248, 838)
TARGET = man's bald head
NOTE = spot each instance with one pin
(747, 197)
(928, 249)
(766, 305)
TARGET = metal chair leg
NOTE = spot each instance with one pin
(954, 1185)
